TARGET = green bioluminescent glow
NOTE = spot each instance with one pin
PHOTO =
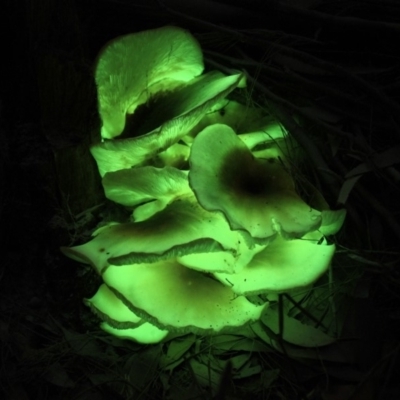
(255, 194)
(133, 67)
(176, 115)
(215, 217)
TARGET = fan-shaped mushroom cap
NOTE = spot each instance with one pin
(175, 116)
(255, 194)
(176, 298)
(131, 68)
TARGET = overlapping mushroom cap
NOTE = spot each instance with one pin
(255, 194)
(132, 68)
(184, 270)
(175, 116)
(149, 270)
(216, 217)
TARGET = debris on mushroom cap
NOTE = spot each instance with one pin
(257, 195)
(133, 67)
(283, 265)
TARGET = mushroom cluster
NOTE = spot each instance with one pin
(216, 218)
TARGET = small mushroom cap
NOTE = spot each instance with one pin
(106, 305)
(120, 321)
(134, 186)
(146, 333)
(239, 117)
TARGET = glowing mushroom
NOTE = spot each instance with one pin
(178, 299)
(172, 119)
(181, 229)
(282, 266)
(255, 194)
(139, 263)
(216, 216)
(120, 320)
(105, 304)
(131, 68)
(151, 188)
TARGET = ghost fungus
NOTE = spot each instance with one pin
(181, 229)
(152, 188)
(282, 266)
(146, 333)
(133, 67)
(108, 307)
(257, 195)
(119, 320)
(216, 217)
(175, 231)
(176, 298)
(239, 117)
(176, 116)
(139, 263)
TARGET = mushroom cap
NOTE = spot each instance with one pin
(176, 116)
(119, 320)
(282, 266)
(132, 68)
(131, 187)
(107, 306)
(179, 299)
(146, 333)
(255, 194)
(183, 228)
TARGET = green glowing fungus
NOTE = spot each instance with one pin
(256, 194)
(215, 218)
(133, 67)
